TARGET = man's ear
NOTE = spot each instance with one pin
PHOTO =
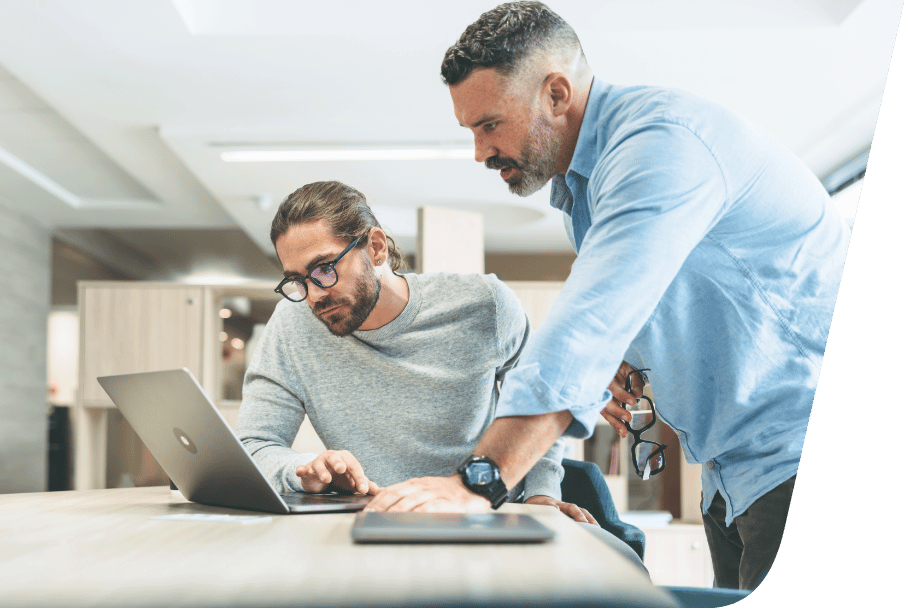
(560, 93)
(377, 249)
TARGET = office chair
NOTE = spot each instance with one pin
(585, 486)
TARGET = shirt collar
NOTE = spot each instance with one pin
(586, 150)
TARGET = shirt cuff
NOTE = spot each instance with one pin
(545, 479)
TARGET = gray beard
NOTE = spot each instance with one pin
(538, 160)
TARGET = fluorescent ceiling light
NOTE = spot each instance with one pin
(76, 202)
(274, 156)
(39, 179)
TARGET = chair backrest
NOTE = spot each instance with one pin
(585, 486)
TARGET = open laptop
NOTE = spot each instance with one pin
(373, 527)
(194, 444)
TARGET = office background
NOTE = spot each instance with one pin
(114, 116)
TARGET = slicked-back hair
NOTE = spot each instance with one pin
(504, 36)
(344, 210)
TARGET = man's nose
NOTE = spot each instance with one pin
(315, 293)
(482, 149)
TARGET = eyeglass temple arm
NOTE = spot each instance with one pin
(635, 371)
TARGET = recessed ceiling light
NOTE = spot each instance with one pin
(274, 156)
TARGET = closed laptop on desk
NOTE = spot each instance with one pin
(494, 527)
(196, 447)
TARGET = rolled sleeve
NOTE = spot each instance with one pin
(527, 394)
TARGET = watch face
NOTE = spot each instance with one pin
(481, 473)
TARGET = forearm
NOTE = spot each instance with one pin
(277, 460)
(267, 423)
(516, 443)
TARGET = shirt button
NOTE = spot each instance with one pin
(710, 463)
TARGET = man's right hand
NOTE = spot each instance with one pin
(338, 467)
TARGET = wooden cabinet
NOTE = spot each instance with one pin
(128, 327)
(449, 240)
(537, 298)
(678, 555)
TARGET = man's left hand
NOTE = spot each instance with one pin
(429, 495)
(614, 413)
(571, 510)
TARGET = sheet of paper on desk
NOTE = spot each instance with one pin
(218, 518)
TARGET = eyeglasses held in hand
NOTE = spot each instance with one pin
(648, 456)
(295, 289)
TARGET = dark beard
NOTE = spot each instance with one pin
(367, 293)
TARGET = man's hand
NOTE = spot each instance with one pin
(571, 510)
(337, 467)
(429, 495)
(614, 413)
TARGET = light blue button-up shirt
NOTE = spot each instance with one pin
(708, 253)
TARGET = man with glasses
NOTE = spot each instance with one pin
(707, 253)
(398, 373)
(384, 364)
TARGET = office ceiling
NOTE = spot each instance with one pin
(114, 115)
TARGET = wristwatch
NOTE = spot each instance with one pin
(481, 475)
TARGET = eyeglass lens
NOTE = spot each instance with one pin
(650, 458)
(324, 276)
(295, 290)
(641, 414)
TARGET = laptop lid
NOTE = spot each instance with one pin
(374, 527)
(197, 449)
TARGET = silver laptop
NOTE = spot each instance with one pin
(198, 450)
(373, 527)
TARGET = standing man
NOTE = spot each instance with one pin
(707, 254)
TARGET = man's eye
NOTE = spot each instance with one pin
(321, 271)
(490, 126)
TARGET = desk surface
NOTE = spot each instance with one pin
(102, 548)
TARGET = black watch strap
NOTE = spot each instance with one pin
(498, 495)
(494, 491)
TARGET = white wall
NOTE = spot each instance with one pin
(25, 249)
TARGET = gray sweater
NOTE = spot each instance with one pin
(409, 399)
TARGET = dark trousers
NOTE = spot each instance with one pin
(743, 552)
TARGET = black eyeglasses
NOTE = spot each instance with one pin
(295, 289)
(648, 456)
